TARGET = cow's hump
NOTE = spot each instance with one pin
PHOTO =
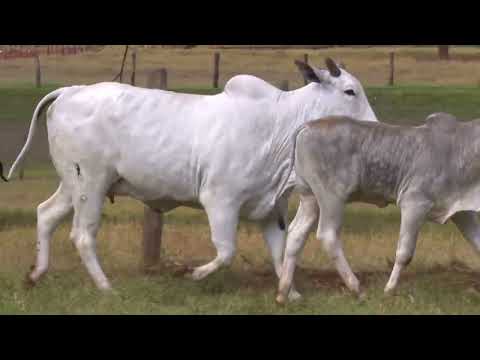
(251, 87)
(442, 121)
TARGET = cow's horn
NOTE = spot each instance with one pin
(332, 68)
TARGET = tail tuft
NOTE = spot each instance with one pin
(1, 173)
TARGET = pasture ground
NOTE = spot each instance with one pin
(442, 279)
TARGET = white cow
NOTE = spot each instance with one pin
(228, 154)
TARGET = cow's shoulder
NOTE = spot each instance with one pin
(441, 122)
(250, 87)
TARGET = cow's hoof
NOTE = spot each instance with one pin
(105, 287)
(28, 282)
(281, 299)
(198, 274)
(362, 296)
(183, 271)
(389, 292)
(109, 292)
(294, 295)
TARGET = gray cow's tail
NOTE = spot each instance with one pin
(33, 127)
(292, 161)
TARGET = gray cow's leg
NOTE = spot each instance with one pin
(223, 220)
(469, 225)
(331, 218)
(413, 217)
(49, 215)
(302, 225)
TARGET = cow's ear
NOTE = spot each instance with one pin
(308, 72)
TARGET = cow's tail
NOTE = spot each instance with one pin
(1, 172)
(33, 127)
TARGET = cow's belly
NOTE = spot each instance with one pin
(149, 192)
(254, 208)
(379, 200)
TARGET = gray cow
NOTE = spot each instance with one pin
(432, 172)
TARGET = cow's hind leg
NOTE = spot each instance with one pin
(413, 216)
(274, 233)
(223, 220)
(88, 202)
(469, 225)
(328, 232)
(49, 215)
(302, 225)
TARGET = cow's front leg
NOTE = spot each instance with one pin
(305, 219)
(223, 220)
(413, 216)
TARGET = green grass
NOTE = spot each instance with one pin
(412, 104)
(398, 104)
(18, 103)
(442, 279)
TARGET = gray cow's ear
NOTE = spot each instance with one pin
(309, 74)
(332, 68)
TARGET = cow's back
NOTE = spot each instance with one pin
(359, 159)
(172, 145)
(248, 86)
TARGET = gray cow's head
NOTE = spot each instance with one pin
(343, 92)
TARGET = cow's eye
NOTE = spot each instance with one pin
(350, 92)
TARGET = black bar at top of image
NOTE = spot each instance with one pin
(300, 25)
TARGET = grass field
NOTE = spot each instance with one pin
(187, 67)
(442, 279)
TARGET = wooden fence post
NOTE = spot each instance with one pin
(391, 79)
(305, 60)
(152, 237)
(134, 66)
(163, 79)
(216, 69)
(152, 220)
(158, 79)
(38, 73)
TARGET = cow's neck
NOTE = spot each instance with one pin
(299, 106)
(293, 109)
